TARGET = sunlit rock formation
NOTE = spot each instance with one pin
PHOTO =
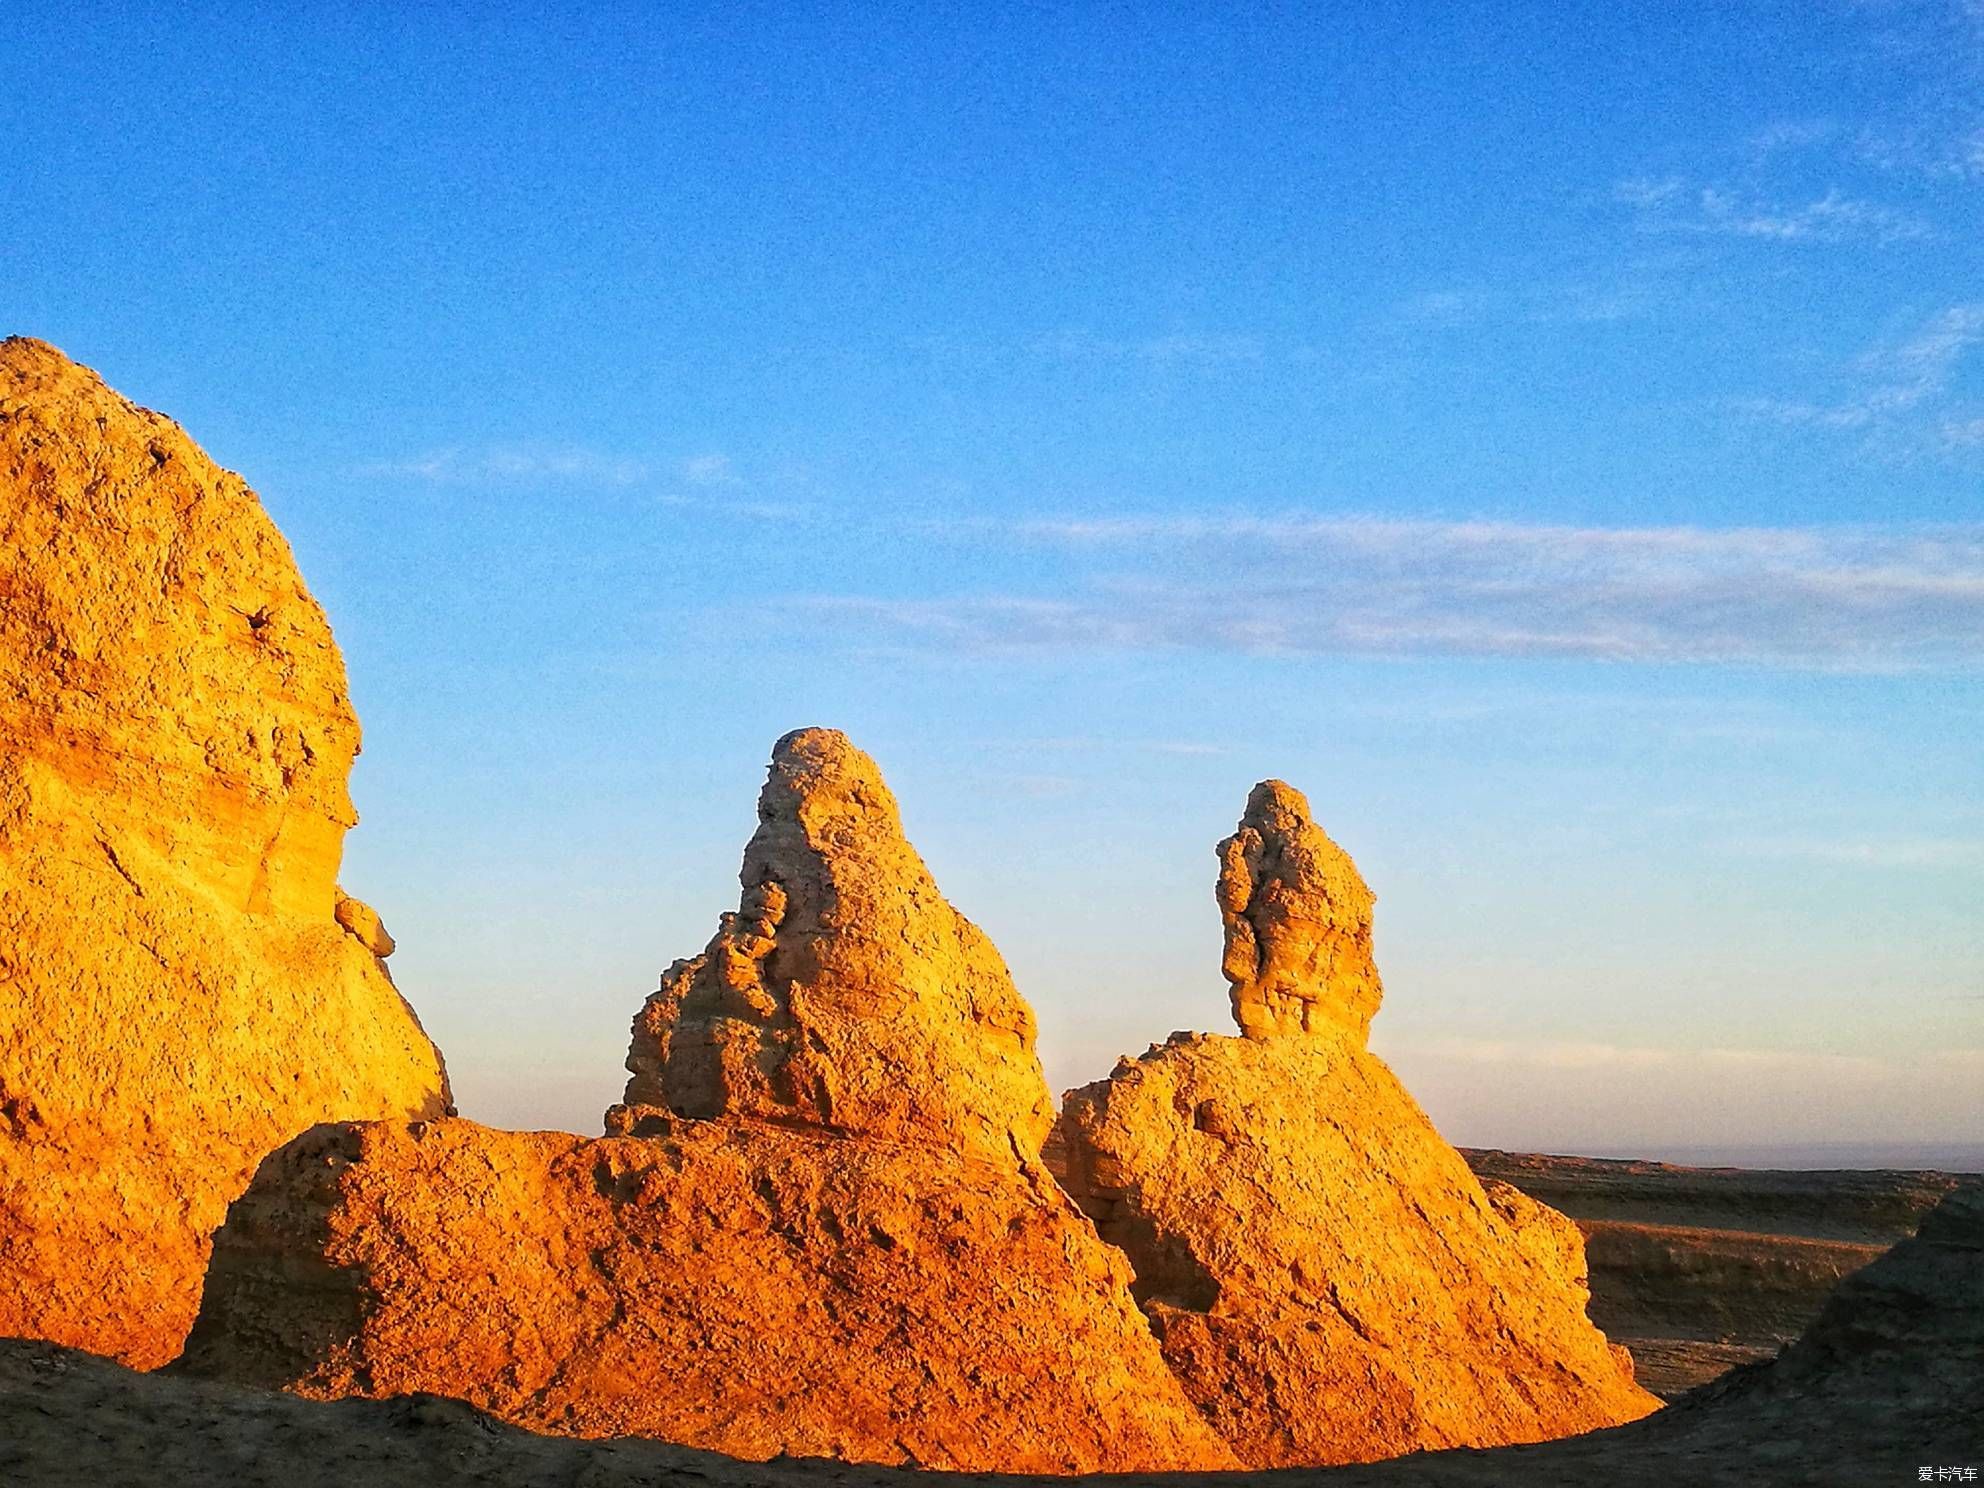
(1329, 1280)
(1297, 916)
(1884, 1383)
(820, 1225)
(183, 987)
(846, 993)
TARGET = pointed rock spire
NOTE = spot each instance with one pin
(1322, 1271)
(844, 992)
(1298, 923)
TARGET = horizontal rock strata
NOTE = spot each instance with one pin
(1697, 1270)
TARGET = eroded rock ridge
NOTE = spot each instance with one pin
(845, 992)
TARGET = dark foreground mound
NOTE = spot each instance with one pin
(1886, 1382)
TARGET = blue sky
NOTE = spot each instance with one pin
(1552, 439)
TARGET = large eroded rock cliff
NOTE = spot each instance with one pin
(185, 988)
(1329, 1280)
(821, 1225)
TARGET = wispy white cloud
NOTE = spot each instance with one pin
(1085, 745)
(708, 482)
(1786, 136)
(1593, 301)
(1674, 204)
(1042, 787)
(1932, 52)
(710, 470)
(1962, 433)
(1815, 1064)
(1543, 1053)
(1803, 597)
(1896, 387)
(1547, 1054)
(512, 464)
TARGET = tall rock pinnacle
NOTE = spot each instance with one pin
(183, 987)
(1298, 923)
(845, 992)
(820, 1224)
(1324, 1274)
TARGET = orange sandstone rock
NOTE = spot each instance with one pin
(181, 986)
(1297, 916)
(845, 993)
(820, 1224)
(754, 1289)
(1329, 1280)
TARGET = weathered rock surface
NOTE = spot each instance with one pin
(747, 1288)
(1329, 1280)
(845, 993)
(821, 1225)
(1697, 1270)
(1297, 916)
(1885, 1384)
(182, 991)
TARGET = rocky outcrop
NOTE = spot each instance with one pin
(752, 1289)
(1697, 1270)
(1328, 1279)
(1914, 1317)
(1297, 916)
(820, 1224)
(1885, 1385)
(184, 990)
(845, 993)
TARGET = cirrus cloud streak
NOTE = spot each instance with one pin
(1846, 598)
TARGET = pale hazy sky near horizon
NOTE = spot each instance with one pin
(1551, 437)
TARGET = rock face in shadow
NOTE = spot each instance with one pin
(184, 988)
(845, 993)
(820, 1224)
(1329, 1280)
(1911, 1323)
(1697, 1270)
(1887, 1379)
